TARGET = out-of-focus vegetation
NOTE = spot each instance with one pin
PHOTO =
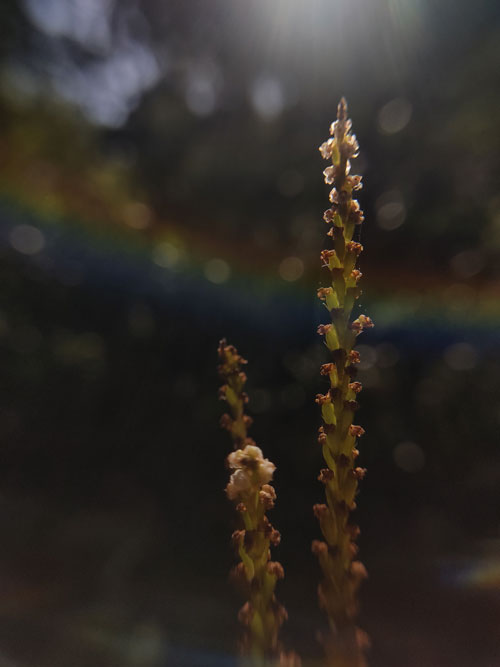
(158, 168)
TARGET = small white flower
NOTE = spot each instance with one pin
(350, 142)
(253, 452)
(233, 460)
(326, 148)
(250, 469)
(266, 470)
(329, 174)
(238, 483)
(269, 490)
(238, 458)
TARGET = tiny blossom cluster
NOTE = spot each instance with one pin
(251, 471)
(361, 323)
(341, 141)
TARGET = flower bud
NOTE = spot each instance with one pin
(329, 295)
(275, 569)
(356, 431)
(329, 259)
(325, 475)
(361, 323)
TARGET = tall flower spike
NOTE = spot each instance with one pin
(345, 646)
(250, 490)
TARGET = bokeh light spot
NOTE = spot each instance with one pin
(217, 271)
(200, 97)
(107, 86)
(27, 239)
(394, 116)
(461, 356)
(267, 97)
(368, 356)
(201, 88)
(467, 263)
(291, 268)
(391, 210)
(409, 456)
(167, 255)
(85, 21)
(137, 215)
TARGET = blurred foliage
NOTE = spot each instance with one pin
(108, 410)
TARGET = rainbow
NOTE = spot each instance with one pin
(89, 229)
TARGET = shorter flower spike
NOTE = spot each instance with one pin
(250, 489)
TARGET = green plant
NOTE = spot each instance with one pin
(345, 644)
(256, 574)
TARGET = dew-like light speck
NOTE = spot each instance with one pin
(27, 239)
(291, 268)
(217, 271)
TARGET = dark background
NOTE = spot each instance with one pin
(160, 187)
